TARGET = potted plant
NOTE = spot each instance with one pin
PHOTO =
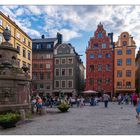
(9, 119)
(63, 107)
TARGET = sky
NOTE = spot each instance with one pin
(76, 23)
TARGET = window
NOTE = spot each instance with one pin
(29, 44)
(91, 56)
(99, 35)
(48, 66)
(119, 73)
(1, 22)
(38, 46)
(63, 61)
(70, 72)
(119, 52)
(18, 63)
(128, 52)
(70, 61)
(128, 84)
(70, 84)
(57, 72)
(119, 62)
(24, 40)
(99, 81)
(48, 75)
(41, 75)
(124, 43)
(35, 76)
(29, 55)
(99, 67)
(24, 52)
(23, 64)
(57, 61)
(99, 55)
(91, 81)
(63, 72)
(103, 45)
(0, 38)
(119, 84)
(48, 56)
(48, 46)
(48, 87)
(41, 86)
(95, 46)
(18, 35)
(107, 81)
(35, 86)
(18, 48)
(63, 84)
(124, 35)
(29, 66)
(107, 55)
(128, 73)
(91, 68)
(35, 65)
(57, 84)
(128, 61)
(41, 66)
(108, 67)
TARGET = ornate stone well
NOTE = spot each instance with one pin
(14, 81)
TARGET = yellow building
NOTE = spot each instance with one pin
(19, 40)
(124, 64)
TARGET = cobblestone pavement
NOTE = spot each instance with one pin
(115, 120)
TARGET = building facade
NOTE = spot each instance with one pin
(68, 70)
(19, 40)
(138, 71)
(99, 62)
(43, 66)
(124, 64)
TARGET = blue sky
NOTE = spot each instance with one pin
(76, 23)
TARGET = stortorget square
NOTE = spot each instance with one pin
(69, 70)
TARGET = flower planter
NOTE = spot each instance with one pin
(63, 107)
(9, 120)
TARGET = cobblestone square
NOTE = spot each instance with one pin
(114, 120)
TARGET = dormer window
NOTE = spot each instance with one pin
(124, 43)
(124, 35)
(95, 46)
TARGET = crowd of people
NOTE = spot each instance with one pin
(38, 103)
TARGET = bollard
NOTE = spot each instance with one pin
(22, 114)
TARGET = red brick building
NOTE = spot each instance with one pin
(99, 62)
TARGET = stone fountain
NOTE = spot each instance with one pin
(14, 81)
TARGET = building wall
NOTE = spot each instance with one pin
(17, 35)
(138, 72)
(125, 42)
(92, 76)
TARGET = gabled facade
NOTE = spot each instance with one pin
(68, 70)
(99, 62)
(124, 64)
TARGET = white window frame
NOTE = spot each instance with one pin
(65, 84)
(65, 71)
(1, 38)
(55, 83)
(8, 26)
(57, 59)
(1, 22)
(48, 66)
(68, 71)
(55, 72)
(68, 60)
(48, 56)
(68, 83)
(18, 35)
(65, 61)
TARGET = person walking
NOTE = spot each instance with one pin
(134, 98)
(138, 109)
(106, 99)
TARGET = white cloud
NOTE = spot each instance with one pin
(34, 9)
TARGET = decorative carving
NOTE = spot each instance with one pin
(7, 34)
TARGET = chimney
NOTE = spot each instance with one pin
(59, 38)
(43, 36)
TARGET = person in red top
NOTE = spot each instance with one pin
(39, 105)
(134, 99)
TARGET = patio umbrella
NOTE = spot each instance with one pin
(89, 91)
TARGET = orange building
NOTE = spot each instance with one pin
(124, 64)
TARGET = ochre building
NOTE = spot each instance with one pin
(124, 64)
(19, 40)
